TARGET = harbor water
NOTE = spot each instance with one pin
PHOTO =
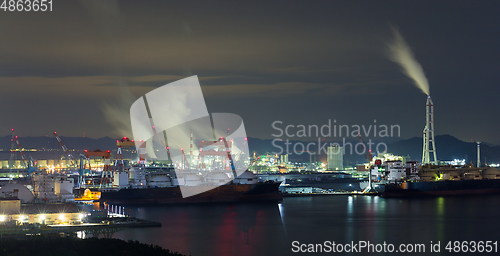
(271, 228)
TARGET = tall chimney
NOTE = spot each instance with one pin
(478, 154)
(428, 135)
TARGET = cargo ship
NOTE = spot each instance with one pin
(153, 187)
(446, 181)
(267, 191)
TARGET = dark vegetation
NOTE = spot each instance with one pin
(68, 246)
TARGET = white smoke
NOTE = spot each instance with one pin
(106, 16)
(400, 52)
(117, 111)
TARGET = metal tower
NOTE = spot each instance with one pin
(429, 144)
(478, 154)
(12, 160)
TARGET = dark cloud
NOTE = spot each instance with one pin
(295, 61)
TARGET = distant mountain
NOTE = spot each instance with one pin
(448, 148)
(50, 142)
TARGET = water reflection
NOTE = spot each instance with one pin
(440, 217)
(259, 229)
(239, 229)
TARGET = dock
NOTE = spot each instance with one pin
(354, 193)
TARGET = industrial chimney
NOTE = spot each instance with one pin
(428, 134)
(478, 154)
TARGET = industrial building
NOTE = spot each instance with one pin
(335, 158)
(11, 210)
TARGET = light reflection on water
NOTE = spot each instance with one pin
(269, 228)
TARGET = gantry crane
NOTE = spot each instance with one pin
(63, 146)
(28, 162)
(122, 143)
(107, 174)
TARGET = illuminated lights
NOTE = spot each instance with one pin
(2, 218)
(42, 217)
(61, 216)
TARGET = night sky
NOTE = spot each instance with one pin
(78, 68)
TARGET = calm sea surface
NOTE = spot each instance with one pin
(270, 228)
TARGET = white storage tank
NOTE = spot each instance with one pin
(17, 190)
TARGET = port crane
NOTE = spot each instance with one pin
(122, 143)
(107, 174)
(65, 149)
(28, 161)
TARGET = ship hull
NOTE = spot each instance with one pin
(442, 188)
(268, 191)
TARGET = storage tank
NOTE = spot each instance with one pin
(17, 190)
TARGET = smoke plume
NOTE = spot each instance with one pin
(400, 52)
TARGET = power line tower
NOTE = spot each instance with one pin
(12, 160)
(429, 148)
